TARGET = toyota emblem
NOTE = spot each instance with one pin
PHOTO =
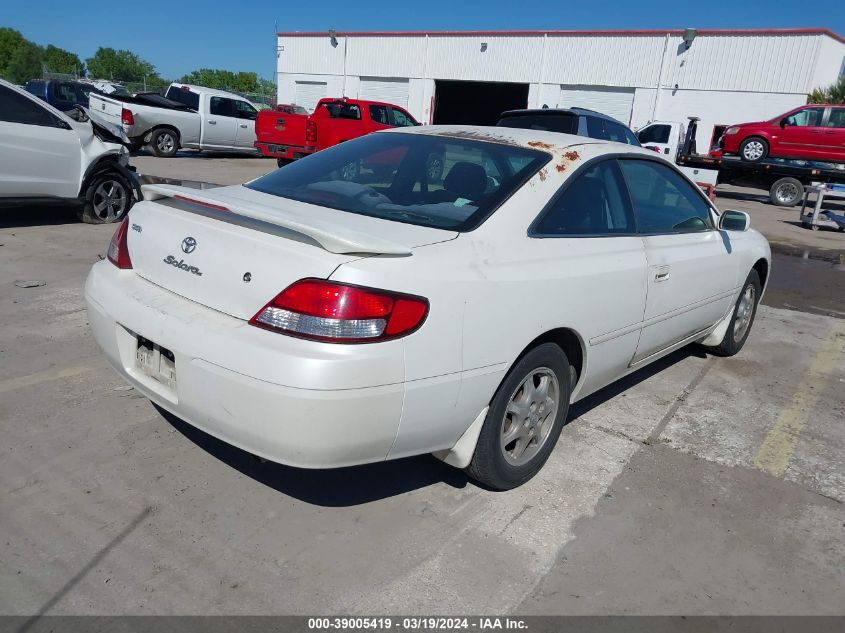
(189, 244)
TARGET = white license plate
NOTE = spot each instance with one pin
(156, 362)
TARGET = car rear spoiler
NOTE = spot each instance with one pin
(331, 237)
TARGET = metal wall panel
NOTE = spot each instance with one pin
(310, 55)
(630, 61)
(386, 56)
(506, 58)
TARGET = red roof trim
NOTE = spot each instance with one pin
(802, 31)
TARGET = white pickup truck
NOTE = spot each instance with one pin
(189, 117)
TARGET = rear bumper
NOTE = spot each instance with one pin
(288, 152)
(244, 401)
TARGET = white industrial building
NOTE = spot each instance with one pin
(721, 76)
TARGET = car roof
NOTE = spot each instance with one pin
(214, 92)
(550, 111)
(530, 139)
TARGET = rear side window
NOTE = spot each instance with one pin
(432, 181)
(378, 113)
(595, 203)
(190, 99)
(564, 122)
(16, 108)
(664, 202)
(837, 118)
(220, 106)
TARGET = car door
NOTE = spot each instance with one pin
(246, 115)
(40, 153)
(801, 134)
(834, 133)
(221, 127)
(657, 137)
(692, 277)
(595, 267)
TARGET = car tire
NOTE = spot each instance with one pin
(522, 424)
(753, 149)
(281, 162)
(107, 199)
(164, 143)
(742, 318)
(786, 192)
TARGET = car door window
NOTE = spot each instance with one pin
(220, 106)
(595, 128)
(664, 202)
(808, 117)
(837, 118)
(378, 114)
(402, 119)
(16, 108)
(655, 134)
(595, 203)
(244, 110)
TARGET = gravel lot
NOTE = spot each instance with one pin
(699, 485)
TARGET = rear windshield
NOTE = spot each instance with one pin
(564, 122)
(432, 181)
(186, 97)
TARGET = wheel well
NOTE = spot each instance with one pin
(762, 268)
(102, 164)
(166, 127)
(568, 341)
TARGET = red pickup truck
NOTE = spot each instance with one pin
(286, 135)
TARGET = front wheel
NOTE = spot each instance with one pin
(107, 199)
(524, 420)
(744, 312)
(786, 192)
(753, 149)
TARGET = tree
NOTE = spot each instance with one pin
(119, 65)
(58, 60)
(834, 93)
(241, 81)
(25, 63)
(10, 41)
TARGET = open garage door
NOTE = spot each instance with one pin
(308, 93)
(394, 91)
(615, 102)
(476, 102)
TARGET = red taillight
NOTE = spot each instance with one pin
(310, 133)
(119, 248)
(126, 117)
(339, 313)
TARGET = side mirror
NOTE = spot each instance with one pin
(734, 221)
(784, 122)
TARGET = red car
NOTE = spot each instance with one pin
(814, 132)
(289, 135)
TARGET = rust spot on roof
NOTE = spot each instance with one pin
(543, 175)
(541, 145)
(475, 135)
(561, 167)
(571, 155)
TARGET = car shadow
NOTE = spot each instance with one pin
(37, 215)
(335, 487)
(356, 485)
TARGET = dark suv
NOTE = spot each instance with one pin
(62, 94)
(578, 121)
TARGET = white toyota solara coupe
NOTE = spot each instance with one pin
(351, 308)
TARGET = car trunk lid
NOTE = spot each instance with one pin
(234, 250)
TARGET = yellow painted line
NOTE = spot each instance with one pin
(778, 447)
(42, 376)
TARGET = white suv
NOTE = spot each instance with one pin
(45, 156)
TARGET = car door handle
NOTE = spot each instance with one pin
(661, 273)
(212, 122)
(244, 125)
